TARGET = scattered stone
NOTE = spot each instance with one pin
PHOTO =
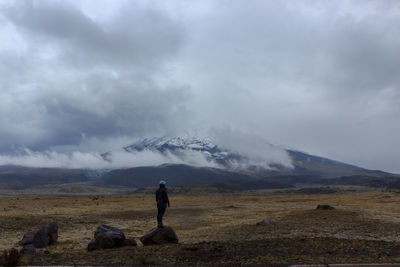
(325, 207)
(10, 257)
(192, 248)
(41, 239)
(46, 236)
(106, 237)
(28, 238)
(93, 244)
(129, 242)
(160, 236)
(265, 222)
(52, 230)
(28, 249)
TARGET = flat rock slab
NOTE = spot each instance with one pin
(160, 236)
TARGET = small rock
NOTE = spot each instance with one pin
(130, 242)
(325, 207)
(265, 222)
(160, 236)
(28, 238)
(192, 248)
(52, 230)
(28, 249)
(106, 237)
(41, 239)
(93, 244)
(10, 257)
(46, 235)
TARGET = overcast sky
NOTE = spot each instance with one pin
(88, 76)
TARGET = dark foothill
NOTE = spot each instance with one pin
(160, 236)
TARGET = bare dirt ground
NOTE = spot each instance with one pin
(214, 230)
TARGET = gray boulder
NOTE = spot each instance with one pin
(28, 237)
(52, 231)
(106, 237)
(41, 239)
(160, 236)
(46, 236)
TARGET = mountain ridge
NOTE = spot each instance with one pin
(226, 165)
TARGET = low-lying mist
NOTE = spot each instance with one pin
(93, 160)
(253, 151)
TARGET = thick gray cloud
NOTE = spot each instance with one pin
(318, 76)
(73, 77)
(136, 38)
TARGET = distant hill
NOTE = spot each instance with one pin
(307, 164)
(15, 177)
(175, 174)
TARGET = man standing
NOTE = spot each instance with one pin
(162, 201)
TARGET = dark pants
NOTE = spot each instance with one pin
(161, 211)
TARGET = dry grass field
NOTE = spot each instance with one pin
(222, 230)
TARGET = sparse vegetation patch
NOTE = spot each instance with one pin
(213, 229)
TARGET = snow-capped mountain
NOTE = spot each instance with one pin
(233, 164)
(179, 145)
(288, 161)
(194, 161)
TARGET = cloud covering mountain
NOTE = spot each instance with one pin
(80, 77)
(156, 151)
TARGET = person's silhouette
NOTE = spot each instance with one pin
(162, 202)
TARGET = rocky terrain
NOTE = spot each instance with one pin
(214, 229)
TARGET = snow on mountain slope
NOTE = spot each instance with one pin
(249, 155)
(198, 151)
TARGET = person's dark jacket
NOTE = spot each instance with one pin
(162, 197)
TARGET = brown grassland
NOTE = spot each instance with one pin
(214, 230)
